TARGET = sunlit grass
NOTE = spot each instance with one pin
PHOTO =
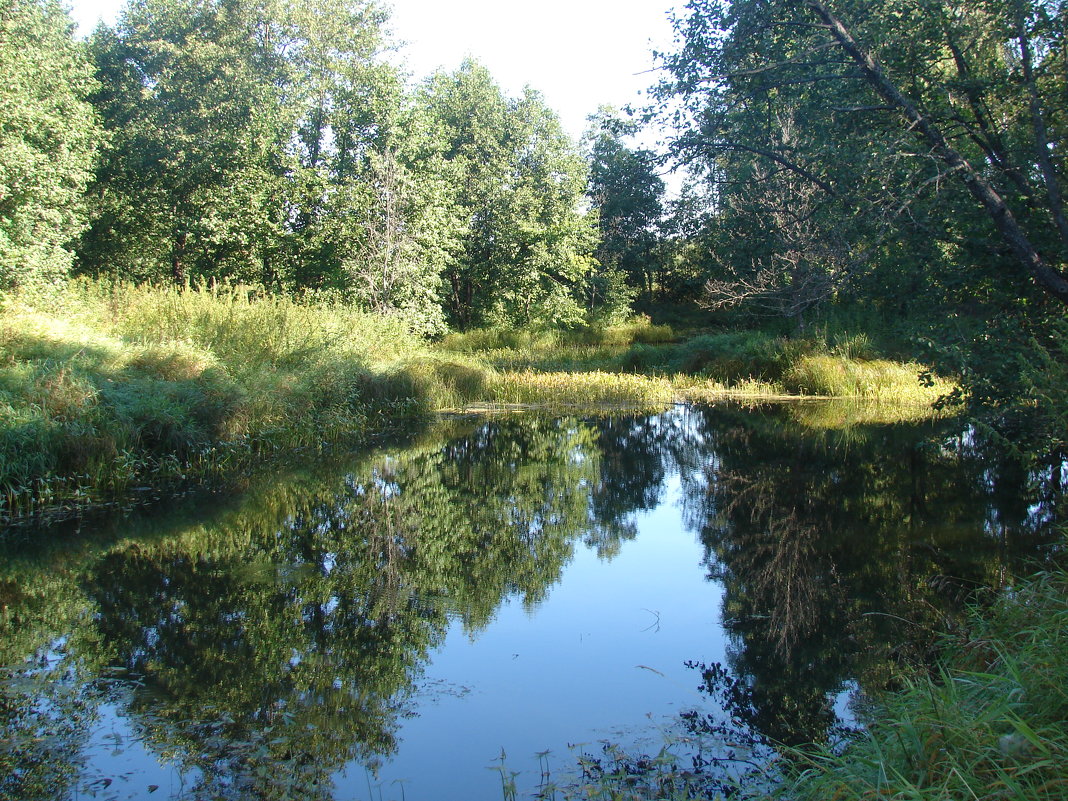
(539, 342)
(697, 390)
(592, 389)
(880, 379)
(991, 724)
(727, 364)
(106, 386)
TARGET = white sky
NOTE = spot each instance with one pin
(578, 53)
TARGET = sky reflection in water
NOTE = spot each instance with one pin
(519, 584)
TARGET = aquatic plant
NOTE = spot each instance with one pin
(988, 724)
(589, 389)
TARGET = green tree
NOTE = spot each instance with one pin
(189, 97)
(627, 193)
(48, 140)
(343, 104)
(409, 234)
(519, 182)
(242, 135)
(933, 194)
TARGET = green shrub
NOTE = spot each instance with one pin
(530, 343)
(638, 329)
(853, 346)
(498, 338)
(449, 383)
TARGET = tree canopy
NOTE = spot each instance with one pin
(48, 137)
(627, 192)
(899, 155)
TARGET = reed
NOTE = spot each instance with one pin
(107, 386)
(738, 363)
(878, 379)
(539, 342)
(989, 724)
(592, 389)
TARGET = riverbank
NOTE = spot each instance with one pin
(989, 723)
(108, 388)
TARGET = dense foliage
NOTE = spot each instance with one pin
(48, 137)
(627, 193)
(275, 219)
(274, 144)
(839, 171)
(900, 159)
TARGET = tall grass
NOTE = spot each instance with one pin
(878, 379)
(991, 724)
(746, 363)
(580, 389)
(638, 329)
(106, 386)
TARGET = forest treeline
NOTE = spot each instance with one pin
(276, 144)
(891, 167)
(901, 161)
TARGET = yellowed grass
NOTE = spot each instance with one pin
(878, 379)
(579, 389)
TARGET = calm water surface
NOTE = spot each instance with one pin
(409, 622)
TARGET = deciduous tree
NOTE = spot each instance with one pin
(627, 192)
(519, 182)
(48, 140)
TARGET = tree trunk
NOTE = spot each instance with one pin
(178, 258)
(1048, 279)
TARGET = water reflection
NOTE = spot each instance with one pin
(841, 551)
(261, 643)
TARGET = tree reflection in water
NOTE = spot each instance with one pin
(263, 645)
(842, 551)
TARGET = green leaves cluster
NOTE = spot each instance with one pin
(273, 143)
(520, 181)
(48, 136)
(627, 193)
(899, 156)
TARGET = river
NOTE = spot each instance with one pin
(490, 600)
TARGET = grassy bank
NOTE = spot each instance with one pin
(742, 363)
(107, 388)
(991, 724)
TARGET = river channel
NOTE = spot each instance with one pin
(498, 596)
